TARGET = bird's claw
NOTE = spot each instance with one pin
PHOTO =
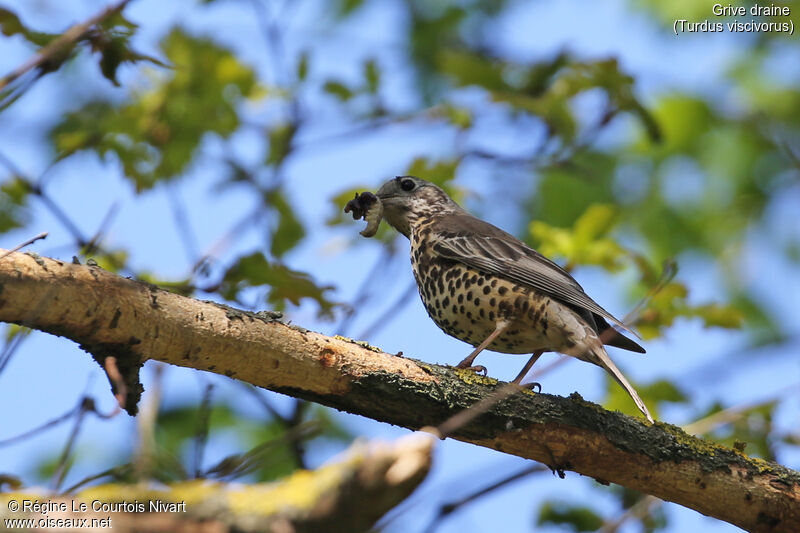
(478, 369)
(532, 385)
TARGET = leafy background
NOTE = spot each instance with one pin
(209, 147)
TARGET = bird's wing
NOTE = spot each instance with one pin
(485, 247)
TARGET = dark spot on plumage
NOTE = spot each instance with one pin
(494, 283)
(474, 278)
(486, 289)
(493, 301)
(461, 298)
(516, 288)
(455, 308)
(446, 301)
(502, 290)
(461, 309)
(440, 284)
(477, 301)
(480, 281)
(481, 313)
(469, 296)
(519, 302)
(491, 314)
(469, 313)
(467, 284)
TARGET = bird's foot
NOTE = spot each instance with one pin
(478, 369)
(532, 385)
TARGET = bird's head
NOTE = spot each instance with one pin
(408, 200)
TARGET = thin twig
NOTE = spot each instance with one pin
(640, 509)
(42, 235)
(734, 413)
(47, 425)
(182, 224)
(114, 375)
(201, 437)
(93, 245)
(390, 313)
(61, 43)
(363, 292)
(148, 417)
(12, 346)
(449, 508)
(86, 405)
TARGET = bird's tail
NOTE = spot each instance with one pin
(602, 359)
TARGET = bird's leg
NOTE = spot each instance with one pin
(467, 363)
(518, 380)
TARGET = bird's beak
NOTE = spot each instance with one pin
(386, 191)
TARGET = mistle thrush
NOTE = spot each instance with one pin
(485, 287)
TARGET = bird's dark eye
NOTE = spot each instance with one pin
(407, 185)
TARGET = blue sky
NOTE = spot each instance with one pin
(48, 375)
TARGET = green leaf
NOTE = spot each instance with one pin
(469, 68)
(653, 394)
(338, 89)
(154, 136)
(302, 66)
(10, 24)
(372, 76)
(345, 8)
(284, 285)
(460, 117)
(289, 231)
(280, 143)
(586, 243)
(565, 192)
(572, 517)
(14, 195)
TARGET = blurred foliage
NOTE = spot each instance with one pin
(687, 175)
(283, 284)
(571, 517)
(155, 135)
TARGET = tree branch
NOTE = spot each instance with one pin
(111, 315)
(327, 500)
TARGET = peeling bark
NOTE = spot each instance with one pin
(134, 321)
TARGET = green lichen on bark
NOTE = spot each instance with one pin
(412, 404)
